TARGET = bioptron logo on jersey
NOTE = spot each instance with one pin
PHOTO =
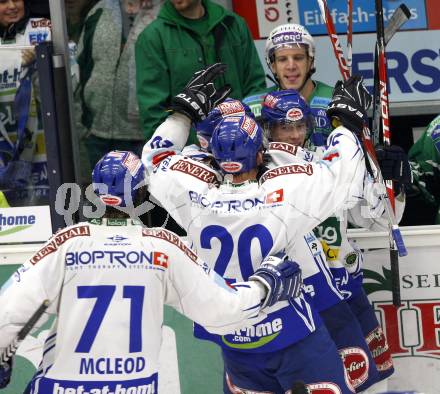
(237, 205)
(10, 224)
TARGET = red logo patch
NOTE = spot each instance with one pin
(286, 170)
(132, 163)
(270, 101)
(324, 388)
(284, 147)
(356, 365)
(276, 196)
(161, 156)
(171, 238)
(294, 114)
(378, 345)
(59, 239)
(249, 126)
(160, 259)
(108, 199)
(230, 107)
(331, 156)
(231, 166)
(195, 170)
(204, 143)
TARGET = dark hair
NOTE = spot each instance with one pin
(115, 213)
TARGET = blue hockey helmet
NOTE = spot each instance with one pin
(235, 143)
(286, 107)
(116, 178)
(229, 107)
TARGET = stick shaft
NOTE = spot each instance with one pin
(9, 352)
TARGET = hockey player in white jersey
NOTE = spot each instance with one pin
(291, 121)
(107, 282)
(284, 114)
(234, 223)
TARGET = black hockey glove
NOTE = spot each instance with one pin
(281, 277)
(394, 164)
(200, 96)
(350, 103)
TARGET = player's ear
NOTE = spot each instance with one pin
(260, 158)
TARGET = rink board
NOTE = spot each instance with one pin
(413, 330)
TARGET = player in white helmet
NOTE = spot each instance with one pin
(107, 282)
(290, 56)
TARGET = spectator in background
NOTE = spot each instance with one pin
(107, 119)
(188, 35)
(423, 195)
(76, 11)
(23, 164)
(290, 55)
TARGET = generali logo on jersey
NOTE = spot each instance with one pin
(59, 239)
(195, 170)
(283, 146)
(285, 170)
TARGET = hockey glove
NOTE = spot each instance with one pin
(282, 279)
(350, 103)
(394, 164)
(200, 96)
(5, 374)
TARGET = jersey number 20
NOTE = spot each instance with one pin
(244, 243)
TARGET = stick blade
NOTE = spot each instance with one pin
(400, 16)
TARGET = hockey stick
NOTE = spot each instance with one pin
(385, 117)
(400, 16)
(396, 240)
(9, 352)
(342, 64)
(350, 35)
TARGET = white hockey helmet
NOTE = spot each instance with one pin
(287, 36)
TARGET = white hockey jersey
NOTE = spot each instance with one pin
(233, 227)
(107, 284)
(342, 255)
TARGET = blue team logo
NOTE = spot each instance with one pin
(117, 238)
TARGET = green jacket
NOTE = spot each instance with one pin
(170, 50)
(424, 158)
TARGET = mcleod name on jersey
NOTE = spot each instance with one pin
(107, 283)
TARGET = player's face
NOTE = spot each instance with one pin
(11, 11)
(291, 133)
(185, 5)
(291, 66)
